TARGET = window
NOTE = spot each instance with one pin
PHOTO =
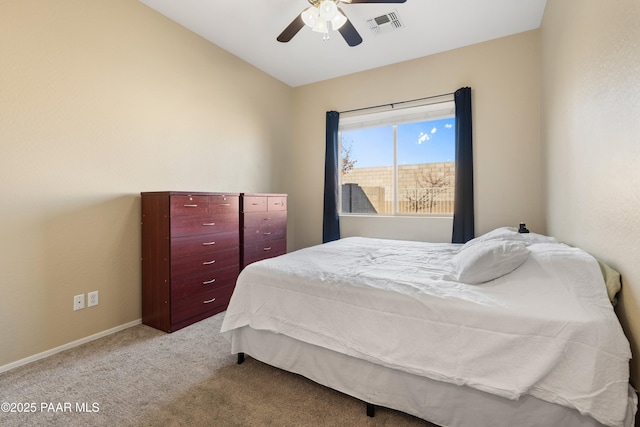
(399, 162)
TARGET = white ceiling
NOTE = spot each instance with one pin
(248, 29)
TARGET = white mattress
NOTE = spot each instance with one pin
(546, 330)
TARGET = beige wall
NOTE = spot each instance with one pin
(100, 100)
(591, 137)
(504, 75)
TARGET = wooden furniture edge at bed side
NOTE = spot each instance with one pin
(636, 421)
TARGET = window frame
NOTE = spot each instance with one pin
(441, 109)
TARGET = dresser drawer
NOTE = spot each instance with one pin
(224, 204)
(202, 263)
(203, 224)
(263, 234)
(269, 249)
(189, 205)
(202, 303)
(277, 203)
(205, 282)
(260, 219)
(254, 204)
(203, 244)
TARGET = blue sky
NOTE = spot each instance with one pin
(423, 142)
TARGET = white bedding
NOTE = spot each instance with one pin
(546, 329)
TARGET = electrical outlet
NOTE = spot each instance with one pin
(78, 302)
(92, 298)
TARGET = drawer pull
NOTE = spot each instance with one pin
(208, 243)
(267, 249)
(266, 233)
(224, 204)
(209, 262)
(190, 206)
(208, 224)
(267, 219)
(209, 301)
(208, 282)
(254, 204)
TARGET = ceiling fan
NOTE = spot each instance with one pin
(324, 15)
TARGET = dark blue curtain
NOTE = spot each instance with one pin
(331, 220)
(463, 220)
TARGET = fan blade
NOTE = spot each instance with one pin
(377, 1)
(293, 28)
(350, 34)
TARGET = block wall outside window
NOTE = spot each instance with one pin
(426, 188)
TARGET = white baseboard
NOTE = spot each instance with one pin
(67, 346)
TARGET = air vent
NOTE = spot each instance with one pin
(385, 23)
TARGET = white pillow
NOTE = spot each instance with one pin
(531, 238)
(511, 233)
(488, 260)
(502, 233)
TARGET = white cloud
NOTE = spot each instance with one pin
(434, 130)
(423, 137)
(448, 125)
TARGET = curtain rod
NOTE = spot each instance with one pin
(392, 105)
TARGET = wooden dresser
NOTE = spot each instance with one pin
(190, 256)
(263, 226)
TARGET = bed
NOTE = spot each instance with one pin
(508, 329)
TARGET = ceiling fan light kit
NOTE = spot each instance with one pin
(324, 15)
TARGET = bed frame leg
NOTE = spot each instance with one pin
(371, 409)
(240, 358)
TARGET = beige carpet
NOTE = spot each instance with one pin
(144, 377)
